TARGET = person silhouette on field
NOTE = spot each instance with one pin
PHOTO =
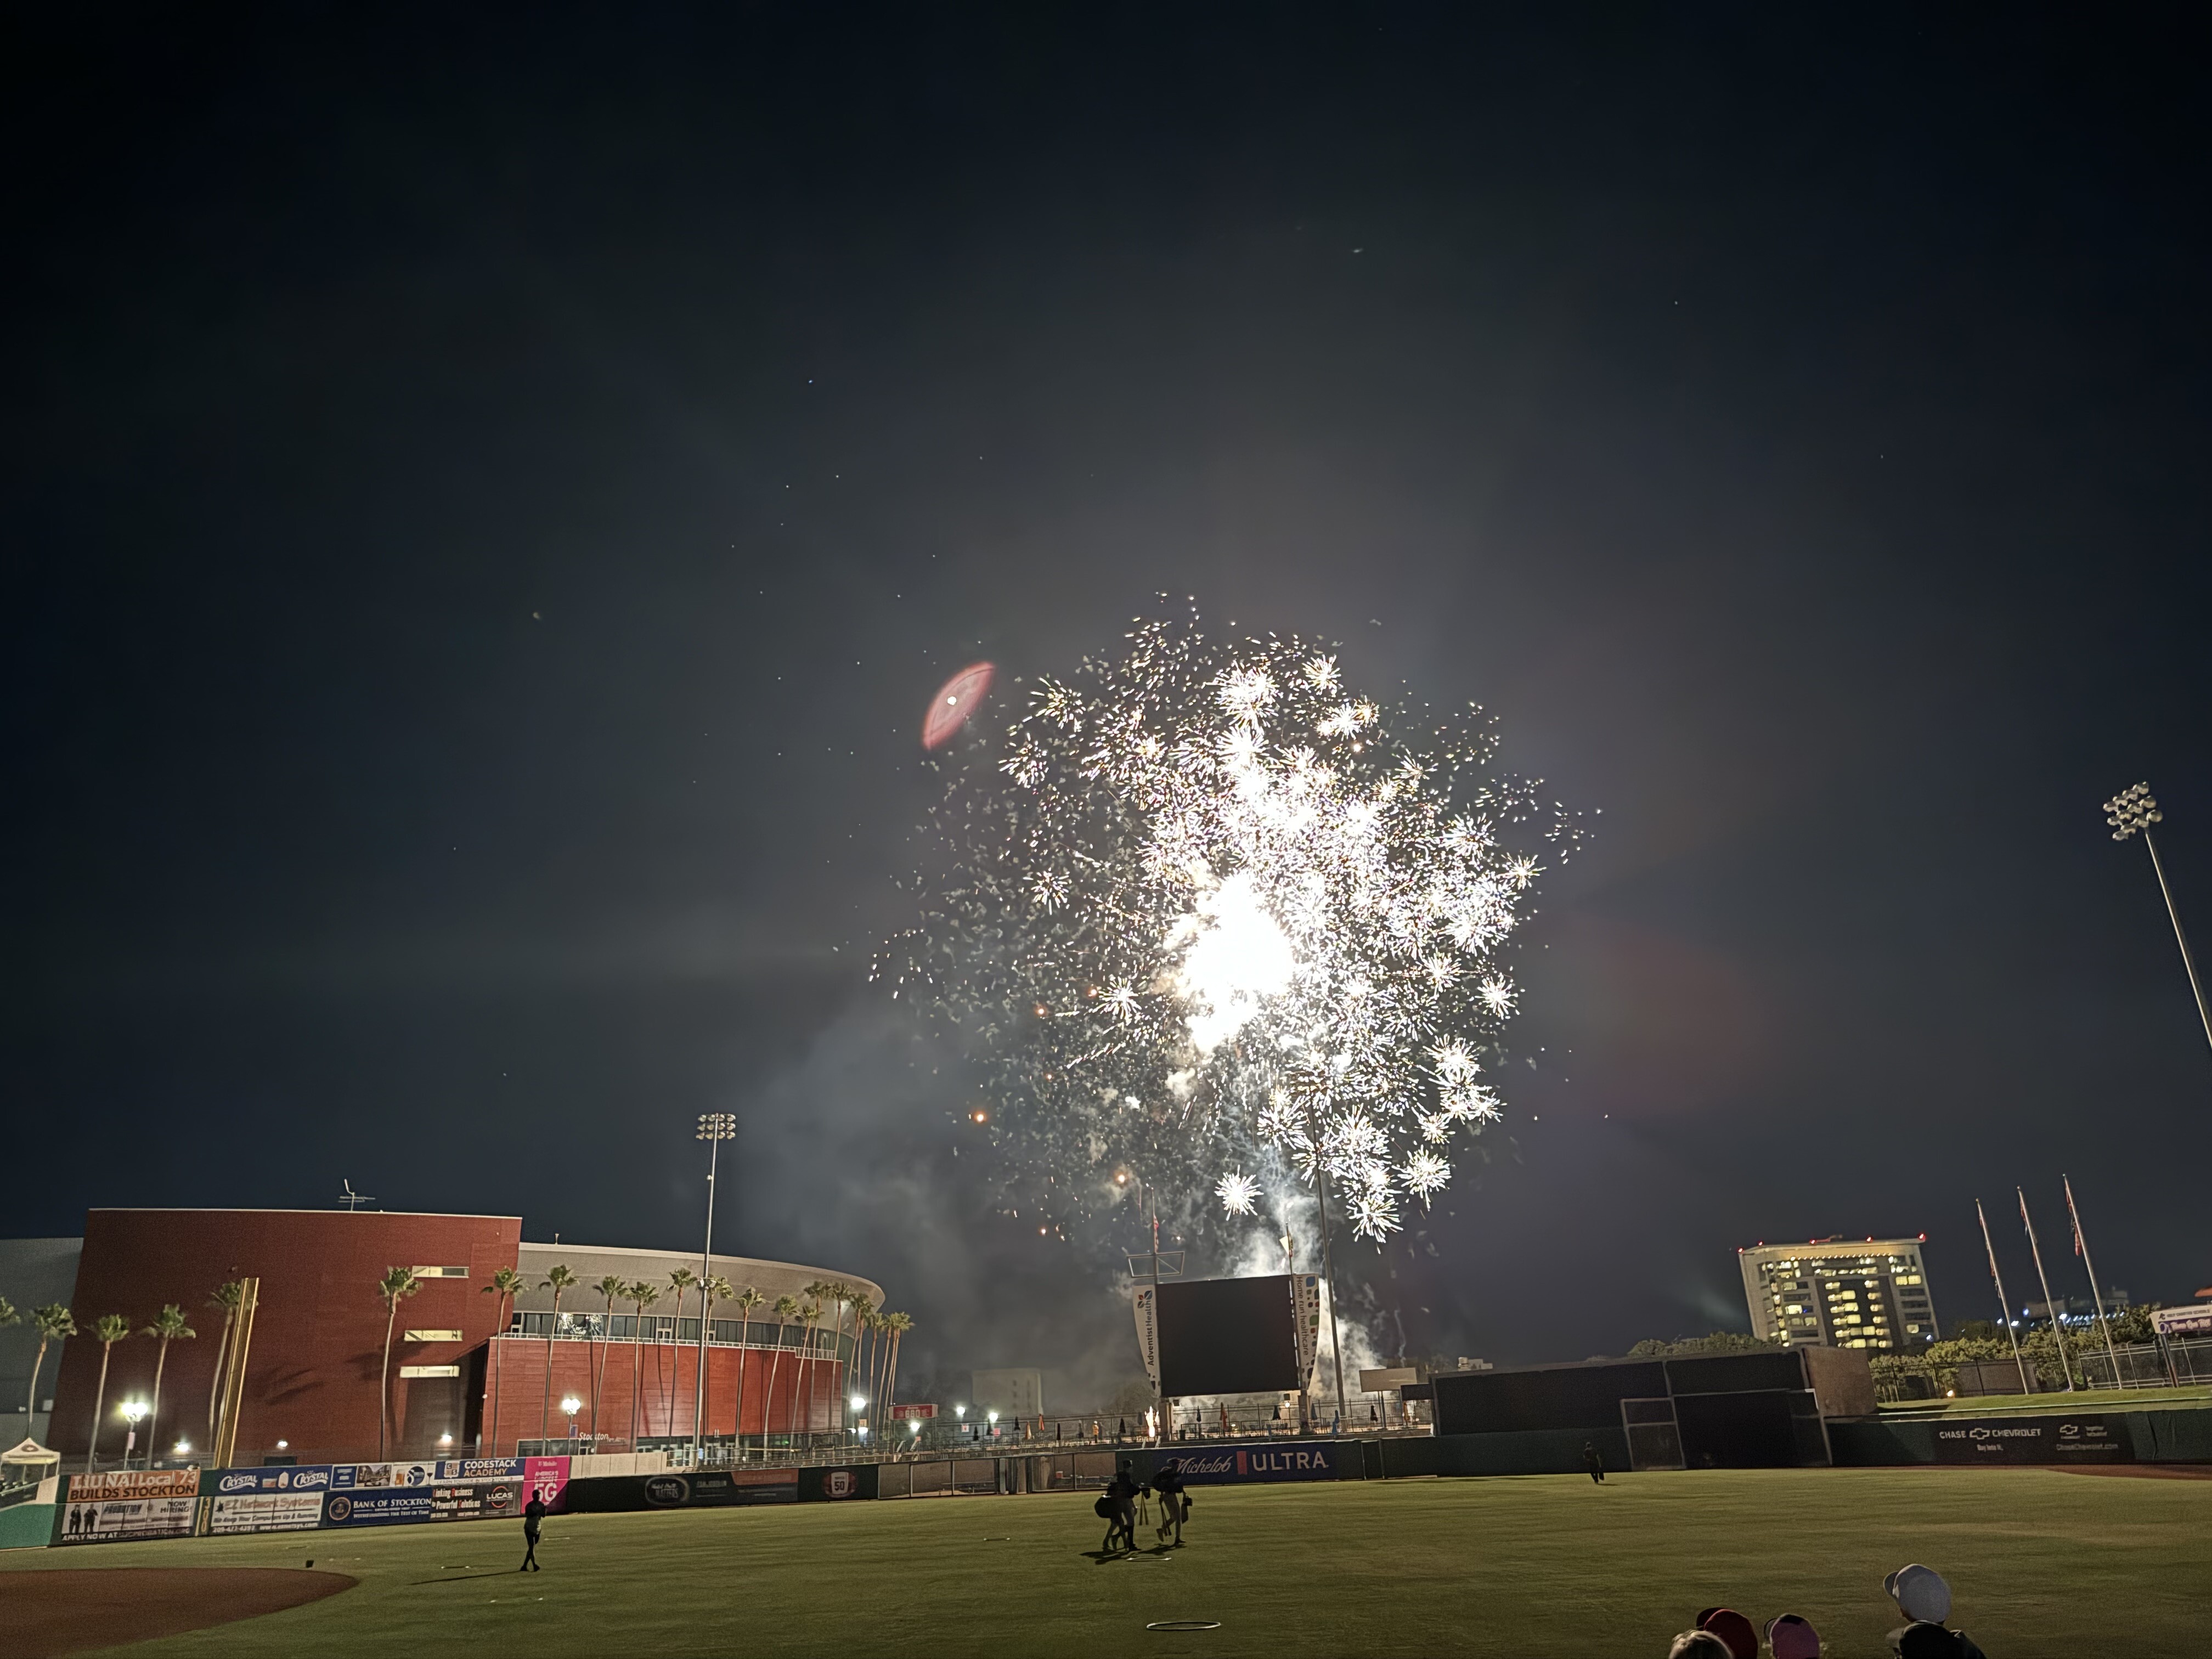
(533, 1518)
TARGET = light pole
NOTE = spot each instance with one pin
(714, 1128)
(134, 1413)
(571, 1404)
(2132, 811)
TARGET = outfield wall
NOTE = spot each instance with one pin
(2042, 1439)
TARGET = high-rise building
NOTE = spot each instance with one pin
(1841, 1293)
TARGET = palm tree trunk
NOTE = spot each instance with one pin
(154, 1423)
(215, 1389)
(636, 1369)
(890, 1377)
(767, 1399)
(499, 1365)
(546, 1408)
(31, 1400)
(384, 1381)
(99, 1405)
(737, 1426)
(599, 1378)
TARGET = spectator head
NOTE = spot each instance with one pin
(1735, 1631)
(1698, 1644)
(1793, 1637)
(1922, 1640)
(1920, 1593)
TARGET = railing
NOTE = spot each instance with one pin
(2170, 1365)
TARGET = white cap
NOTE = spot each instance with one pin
(1920, 1593)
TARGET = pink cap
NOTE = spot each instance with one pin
(1792, 1637)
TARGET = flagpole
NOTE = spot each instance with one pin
(2004, 1305)
(2096, 1296)
(2049, 1308)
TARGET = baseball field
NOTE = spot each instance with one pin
(2041, 1563)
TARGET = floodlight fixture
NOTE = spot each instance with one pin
(2131, 812)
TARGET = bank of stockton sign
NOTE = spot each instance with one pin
(1224, 1465)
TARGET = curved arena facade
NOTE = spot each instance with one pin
(465, 1374)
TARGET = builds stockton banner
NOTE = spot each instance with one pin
(1223, 1466)
(100, 1508)
(287, 1499)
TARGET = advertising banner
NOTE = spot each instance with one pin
(442, 1489)
(1305, 1314)
(1146, 1305)
(2035, 1440)
(434, 1500)
(288, 1499)
(1223, 1466)
(2182, 1321)
(129, 1503)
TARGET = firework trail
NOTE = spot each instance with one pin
(1203, 911)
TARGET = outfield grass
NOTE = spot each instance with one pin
(2042, 1563)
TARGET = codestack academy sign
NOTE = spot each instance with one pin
(1223, 1466)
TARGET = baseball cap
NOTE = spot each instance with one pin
(1733, 1628)
(1920, 1593)
(1793, 1637)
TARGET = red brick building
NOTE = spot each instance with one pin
(317, 1351)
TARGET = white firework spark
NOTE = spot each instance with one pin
(1211, 880)
(1237, 1192)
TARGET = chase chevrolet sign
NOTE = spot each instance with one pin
(2035, 1440)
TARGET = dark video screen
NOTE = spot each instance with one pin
(1227, 1336)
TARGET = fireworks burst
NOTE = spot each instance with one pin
(1202, 907)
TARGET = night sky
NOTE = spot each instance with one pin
(486, 501)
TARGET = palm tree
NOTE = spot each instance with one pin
(226, 1297)
(108, 1330)
(610, 1287)
(863, 1309)
(711, 1289)
(55, 1324)
(840, 1294)
(169, 1325)
(900, 1324)
(506, 1285)
(747, 1300)
(809, 1317)
(397, 1284)
(679, 1281)
(558, 1278)
(645, 1296)
(786, 1310)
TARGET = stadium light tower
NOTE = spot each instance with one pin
(714, 1128)
(2132, 812)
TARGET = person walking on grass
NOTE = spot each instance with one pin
(1175, 1502)
(533, 1518)
(1593, 1461)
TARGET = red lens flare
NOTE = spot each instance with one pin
(956, 699)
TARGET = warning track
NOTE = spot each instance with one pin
(79, 1609)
